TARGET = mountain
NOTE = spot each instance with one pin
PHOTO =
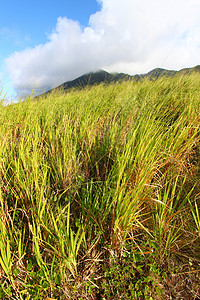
(95, 78)
(190, 70)
(156, 73)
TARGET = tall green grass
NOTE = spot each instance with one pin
(95, 175)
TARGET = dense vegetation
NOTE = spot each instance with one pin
(99, 193)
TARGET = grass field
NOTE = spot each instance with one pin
(99, 193)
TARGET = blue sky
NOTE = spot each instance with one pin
(45, 43)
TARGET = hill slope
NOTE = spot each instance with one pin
(99, 193)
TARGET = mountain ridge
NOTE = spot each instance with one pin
(102, 76)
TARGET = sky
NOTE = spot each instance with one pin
(45, 43)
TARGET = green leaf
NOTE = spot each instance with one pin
(30, 265)
(16, 272)
(58, 279)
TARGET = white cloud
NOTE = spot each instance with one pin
(130, 36)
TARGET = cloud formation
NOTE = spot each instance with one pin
(132, 36)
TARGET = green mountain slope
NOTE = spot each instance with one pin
(95, 78)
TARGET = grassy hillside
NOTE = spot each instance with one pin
(99, 193)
